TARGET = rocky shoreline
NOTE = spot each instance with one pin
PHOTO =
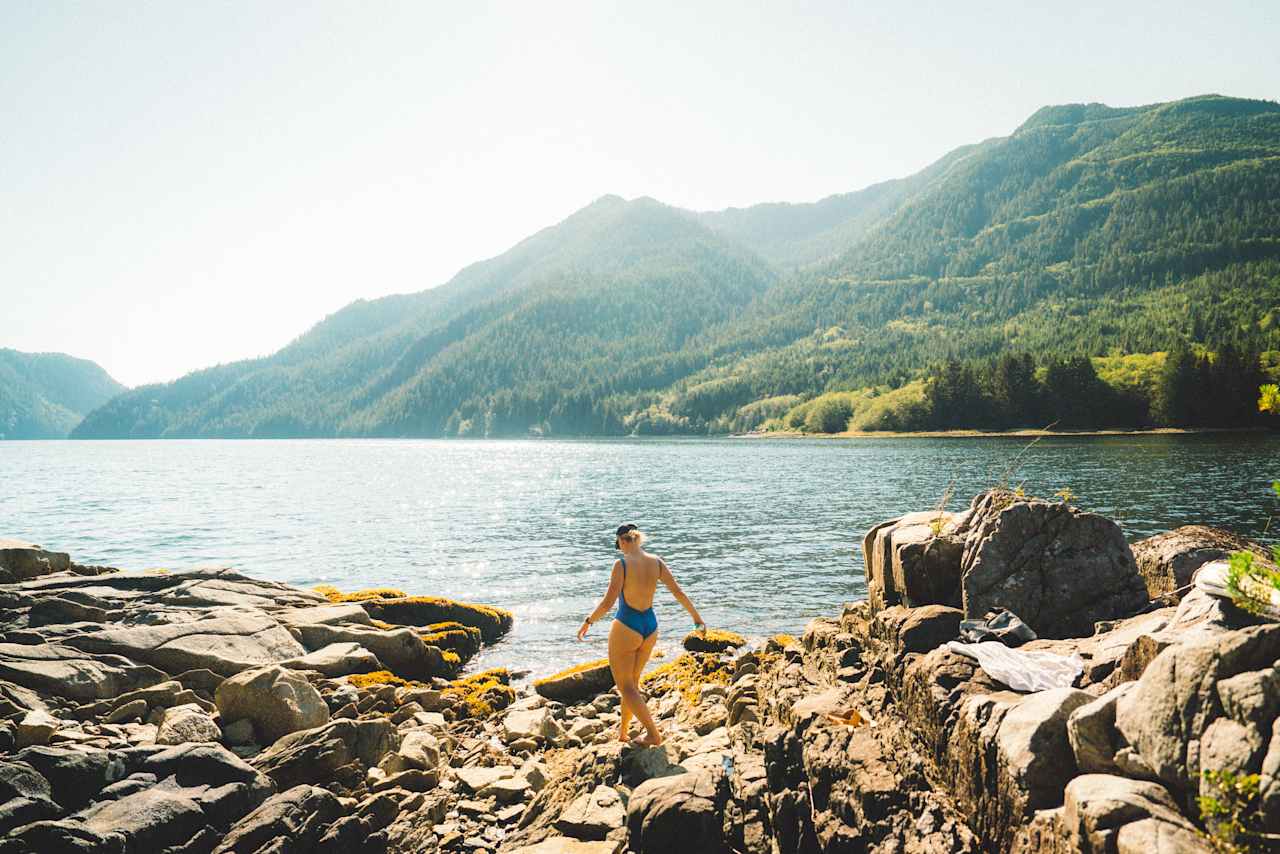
(206, 711)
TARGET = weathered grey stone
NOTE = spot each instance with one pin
(926, 567)
(132, 710)
(150, 820)
(291, 821)
(569, 845)
(226, 641)
(419, 748)
(1091, 729)
(276, 700)
(22, 560)
(531, 723)
(682, 812)
(1177, 699)
(314, 755)
(1060, 569)
(509, 790)
(186, 723)
(1107, 813)
(1169, 561)
(36, 727)
(1034, 748)
(337, 659)
(75, 774)
(402, 651)
(593, 815)
(57, 669)
(475, 778)
(239, 732)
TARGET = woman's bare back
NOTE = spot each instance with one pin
(640, 581)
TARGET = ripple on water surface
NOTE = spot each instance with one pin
(763, 534)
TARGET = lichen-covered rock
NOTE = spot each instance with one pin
(1058, 568)
(393, 606)
(578, 683)
(276, 700)
(713, 640)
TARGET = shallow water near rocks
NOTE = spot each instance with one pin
(763, 534)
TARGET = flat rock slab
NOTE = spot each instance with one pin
(476, 778)
(225, 643)
(568, 845)
(21, 560)
(73, 673)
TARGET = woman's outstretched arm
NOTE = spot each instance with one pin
(610, 596)
(670, 580)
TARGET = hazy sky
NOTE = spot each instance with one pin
(187, 183)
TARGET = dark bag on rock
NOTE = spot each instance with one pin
(998, 625)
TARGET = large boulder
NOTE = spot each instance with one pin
(401, 650)
(1168, 561)
(187, 723)
(578, 683)
(317, 756)
(1035, 750)
(225, 642)
(914, 560)
(1057, 567)
(291, 821)
(337, 659)
(594, 815)
(682, 812)
(713, 640)
(536, 723)
(1108, 813)
(20, 561)
(277, 700)
(75, 774)
(1205, 706)
(54, 668)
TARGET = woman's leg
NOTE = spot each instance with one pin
(642, 658)
(624, 649)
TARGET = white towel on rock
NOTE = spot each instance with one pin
(1022, 670)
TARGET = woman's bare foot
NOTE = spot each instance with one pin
(624, 735)
(647, 740)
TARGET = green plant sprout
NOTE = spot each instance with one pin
(1230, 814)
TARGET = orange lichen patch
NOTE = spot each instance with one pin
(687, 674)
(482, 694)
(377, 677)
(379, 624)
(333, 594)
(784, 640)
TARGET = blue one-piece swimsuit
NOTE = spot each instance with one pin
(643, 623)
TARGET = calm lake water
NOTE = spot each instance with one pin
(763, 534)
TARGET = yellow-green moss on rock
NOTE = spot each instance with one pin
(481, 694)
(713, 640)
(389, 605)
(377, 677)
(455, 637)
(687, 674)
(578, 683)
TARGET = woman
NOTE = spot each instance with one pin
(635, 627)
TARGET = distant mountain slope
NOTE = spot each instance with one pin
(44, 395)
(537, 337)
(1089, 229)
(800, 235)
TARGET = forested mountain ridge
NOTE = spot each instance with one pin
(44, 395)
(1088, 230)
(576, 313)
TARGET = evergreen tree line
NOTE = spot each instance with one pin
(1190, 390)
